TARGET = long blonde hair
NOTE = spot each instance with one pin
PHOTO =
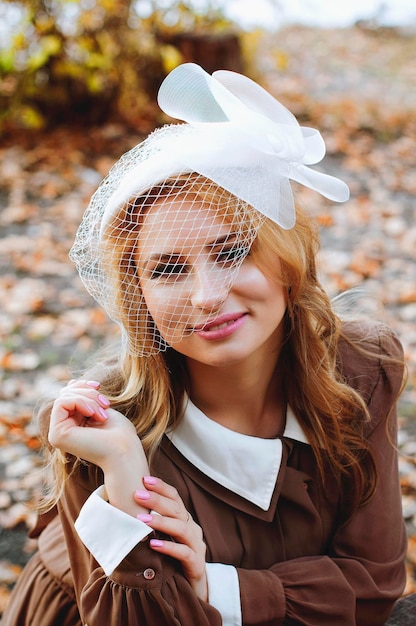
(150, 390)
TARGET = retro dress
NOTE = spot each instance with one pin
(279, 550)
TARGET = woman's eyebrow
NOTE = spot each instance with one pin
(167, 257)
(222, 240)
(162, 257)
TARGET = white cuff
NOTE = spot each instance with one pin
(107, 532)
(224, 592)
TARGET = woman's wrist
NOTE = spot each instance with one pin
(123, 474)
(201, 588)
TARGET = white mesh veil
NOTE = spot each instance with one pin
(166, 232)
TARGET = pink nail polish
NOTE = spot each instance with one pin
(142, 495)
(102, 413)
(150, 480)
(156, 543)
(145, 517)
(94, 384)
(103, 400)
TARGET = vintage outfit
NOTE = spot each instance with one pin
(279, 549)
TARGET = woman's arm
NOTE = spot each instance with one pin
(357, 582)
(363, 573)
(83, 424)
(144, 587)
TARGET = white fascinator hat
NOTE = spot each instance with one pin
(231, 132)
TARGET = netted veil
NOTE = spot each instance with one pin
(193, 195)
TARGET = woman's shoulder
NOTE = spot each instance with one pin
(372, 335)
(370, 358)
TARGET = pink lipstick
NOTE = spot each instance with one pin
(221, 327)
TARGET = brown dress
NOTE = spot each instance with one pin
(296, 563)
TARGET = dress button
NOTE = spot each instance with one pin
(149, 573)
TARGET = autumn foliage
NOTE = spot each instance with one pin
(91, 61)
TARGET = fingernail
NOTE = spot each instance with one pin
(156, 543)
(145, 517)
(142, 495)
(102, 413)
(103, 400)
(150, 480)
(93, 383)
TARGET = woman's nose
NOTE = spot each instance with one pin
(210, 288)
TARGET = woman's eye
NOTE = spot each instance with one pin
(233, 254)
(167, 270)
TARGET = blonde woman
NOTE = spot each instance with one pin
(233, 462)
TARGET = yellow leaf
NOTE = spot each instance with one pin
(94, 83)
(6, 62)
(281, 59)
(171, 57)
(96, 60)
(19, 41)
(28, 117)
(49, 46)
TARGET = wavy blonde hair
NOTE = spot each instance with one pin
(150, 390)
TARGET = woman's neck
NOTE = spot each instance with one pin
(245, 398)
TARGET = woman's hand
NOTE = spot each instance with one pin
(83, 424)
(171, 518)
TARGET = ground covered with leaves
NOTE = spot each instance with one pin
(358, 87)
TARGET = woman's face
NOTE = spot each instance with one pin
(207, 297)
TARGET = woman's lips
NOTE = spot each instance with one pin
(221, 327)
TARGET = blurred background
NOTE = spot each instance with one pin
(78, 85)
(99, 60)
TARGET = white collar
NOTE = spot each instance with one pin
(246, 465)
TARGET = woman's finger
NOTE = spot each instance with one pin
(192, 561)
(179, 551)
(161, 497)
(186, 531)
(159, 486)
(86, 392)
(80, 399)
(78, 405)
(79, 382)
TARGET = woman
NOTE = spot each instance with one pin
(234, 462)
